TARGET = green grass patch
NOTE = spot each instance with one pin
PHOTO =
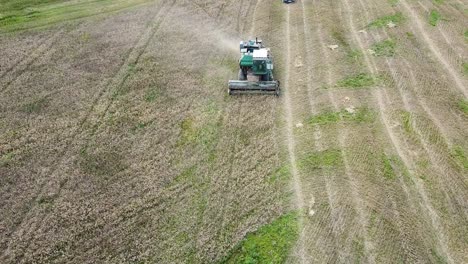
(434, 17)
(104, 163)
(393, 2)
(205, 135)
(383, 21)
(439, 2)
(151, 94)
(384, 48)
(362, 114)
(354, 55)
(186, 175)
(339, 36)
(140, 126)
(17, 5)
(36, 106)
(326, 117)
(360, 80)
(458, 153)
(406, 121)
(6, 159)
(24, 14)
(269, 244)
(188, 131)
(387, 168)
(323, 159)
(438, 258)
(463, 105)
(465, 34)
(358, 249)
(465, 68)
(282, 174)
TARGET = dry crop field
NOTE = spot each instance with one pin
(119, 143)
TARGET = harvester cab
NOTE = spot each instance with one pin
(256, 70)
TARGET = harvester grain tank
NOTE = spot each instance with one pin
(256, 70)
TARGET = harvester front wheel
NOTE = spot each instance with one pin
(241, 76)
(278, 91)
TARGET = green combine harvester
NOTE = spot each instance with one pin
(256, 71)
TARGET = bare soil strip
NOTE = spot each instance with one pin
(299, 199)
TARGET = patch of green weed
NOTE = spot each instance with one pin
(384, 48)
(6, 159)
(465, 68)
(434, 17)
(323, 159)
(439, 2)
(280, 174)
(36, 106)
(186, 175)
(326, 117)
(393, 2)
(406, 120)
(358, 248)
(140, 126)
(361, 114)
(151, 95)
(269, 244)
(104, 163)
(458, 153)
(463, 105)
(387, 169)
(354, 55)
(357, 81)
(46, 199)
(438, 258)
(339, 36)
(188, 131)
(383, 21)
(466, 35)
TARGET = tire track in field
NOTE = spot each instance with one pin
(369, 64)
(241, 4)
(449, 37)
(407, 161)
(133, 59)
(43, 41)
(291, 141)
(443, 162)
(236, 149)
(454, 183)
(352, 181)
(150, 31)
(453, 73)
(254, 19)
(233, 109)
(456, 50)
(24, 64)
(331, 249)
